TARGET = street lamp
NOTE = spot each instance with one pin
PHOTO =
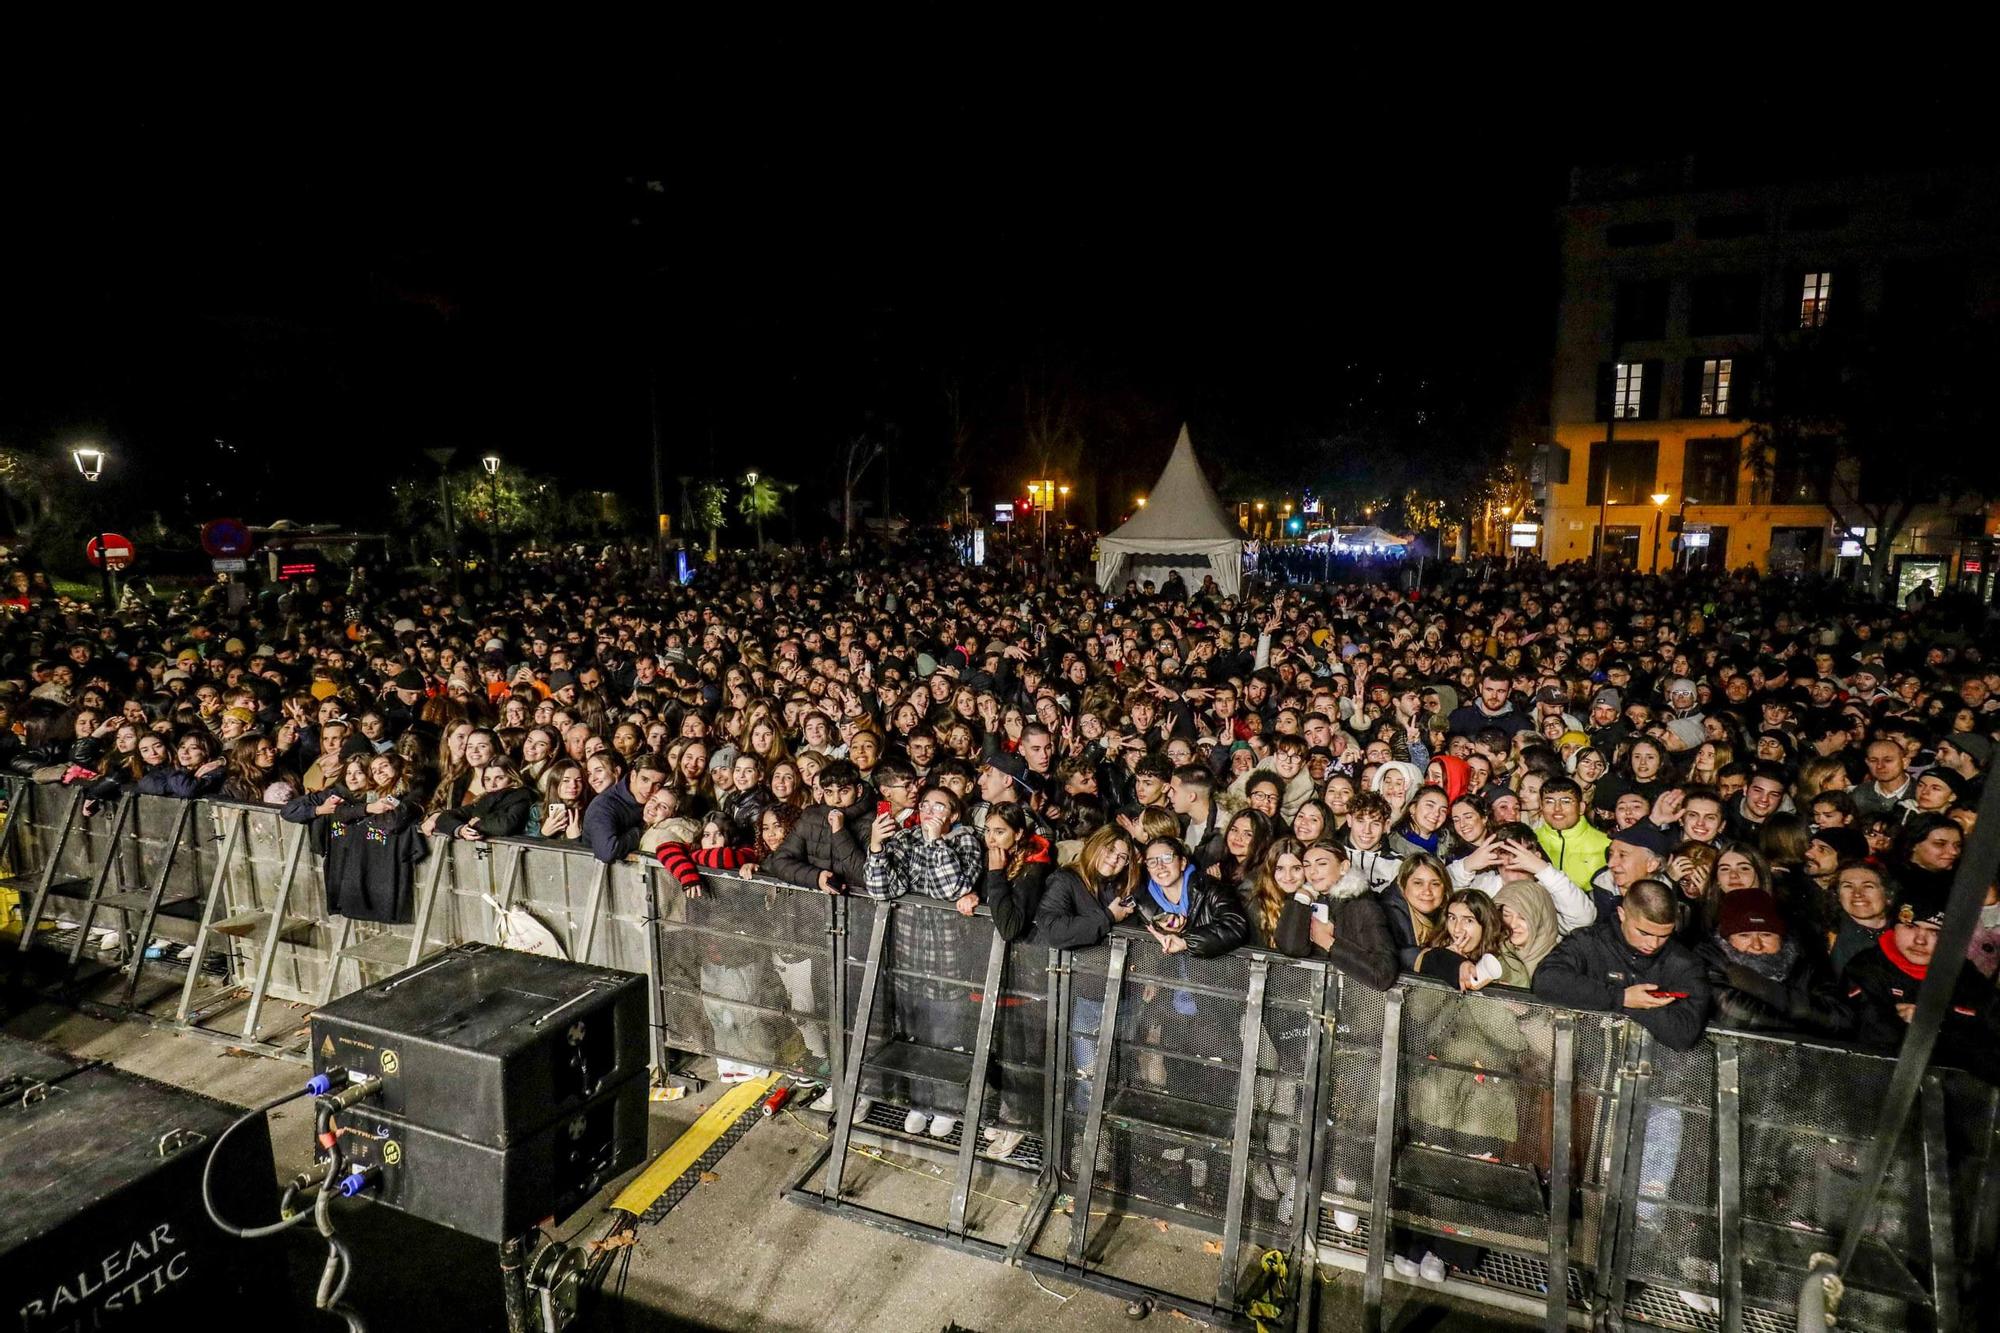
(1260, 517)
(1659, 499)
(492, 465)
(756, 510)
(1063, 511)
(90, 462)
(1142, 502)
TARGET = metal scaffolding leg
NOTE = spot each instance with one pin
(600, 885)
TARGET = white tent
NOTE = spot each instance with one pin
(1182, 527)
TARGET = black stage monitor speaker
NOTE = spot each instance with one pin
(512, 1086)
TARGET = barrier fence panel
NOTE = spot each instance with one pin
(746, 973)
(943, 1047)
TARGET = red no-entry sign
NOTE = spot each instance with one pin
(116, 550)
(225, 538)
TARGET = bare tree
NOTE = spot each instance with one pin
(856, 457)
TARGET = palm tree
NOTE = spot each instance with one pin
(711, 499)
(762, 498)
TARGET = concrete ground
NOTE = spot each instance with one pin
(732, 1255)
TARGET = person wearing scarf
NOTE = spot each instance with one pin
(1762, 978)
(1883, 985)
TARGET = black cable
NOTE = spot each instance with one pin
(208, 1173)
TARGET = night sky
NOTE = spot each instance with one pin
(1300, 278)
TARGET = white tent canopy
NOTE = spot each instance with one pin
(1182, 527)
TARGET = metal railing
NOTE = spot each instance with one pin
(1583, 1173)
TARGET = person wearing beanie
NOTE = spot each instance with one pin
(1885, 983)
(1763, 977)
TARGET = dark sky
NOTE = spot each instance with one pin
(1274, 269)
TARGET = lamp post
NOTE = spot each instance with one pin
(90, 462)
(1659, 499)
(492, 465)
(1260, 518)
(756, 510)
(1141, 502)
(1062, 512)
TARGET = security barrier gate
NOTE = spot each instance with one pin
(1059, 1106)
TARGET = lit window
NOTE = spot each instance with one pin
(1813, 297)
(1627, 386)
(1715, 387)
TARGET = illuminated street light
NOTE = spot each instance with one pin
(492, 464)
(89, 461)
(1142, 502)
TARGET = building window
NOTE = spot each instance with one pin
(1723, 303)
(1714, 387)
(1640, 313)
(1797, 472)
(1709, 471)
(1628, 389)
(1622, 472)
(1814, 294)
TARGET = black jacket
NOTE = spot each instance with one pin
(1401, 920)
(501, 814)
(813, 846)
(1216, 920)
(1071, 916)
(1591, 968)
(1015, 902)
(1363, 946)
(1804, 999)
(614, 823)
(1969, 1037)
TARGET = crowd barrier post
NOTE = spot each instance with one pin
(113, 845)
(1562, 1136)
(1380, 1182)
(1100, 1093)
(233, 821)
(154, 896)
(1729, 1180)
(975, 1086)
(864, 1013)
(600, 884)
(45, 884)
(1251, 1030)
(1938, 1205)
(274, 930)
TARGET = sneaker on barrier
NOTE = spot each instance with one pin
(1432, 1268)
(942, 1126)
(1699, 1303)
(1001, 1143)
(1349, 1222)
(1288, 1202)
(915, 1122)
(823, 1103)
(1406, 1267)
(1261, 1183)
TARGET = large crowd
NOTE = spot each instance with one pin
(1683, 800)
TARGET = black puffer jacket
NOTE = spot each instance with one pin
(1802, 998)
(1215, 919)
(501, 814)
(813, 846)
(1591, 969)
(1070, 915)
(1363, 945)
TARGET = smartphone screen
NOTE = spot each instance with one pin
(881, 807)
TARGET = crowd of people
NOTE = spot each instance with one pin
(1682, 800)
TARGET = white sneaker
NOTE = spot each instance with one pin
(1288, 1201)
(915, 1122)
(823, 1103)
(1699, 1303)
(1261, 1183)
(942, 1126)
(1347, 1221)
(1001, 1143)
(1406, 1267)
(1431, 1269)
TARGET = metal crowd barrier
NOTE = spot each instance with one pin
(1585, 1174)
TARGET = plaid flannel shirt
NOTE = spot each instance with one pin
(948, 869)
